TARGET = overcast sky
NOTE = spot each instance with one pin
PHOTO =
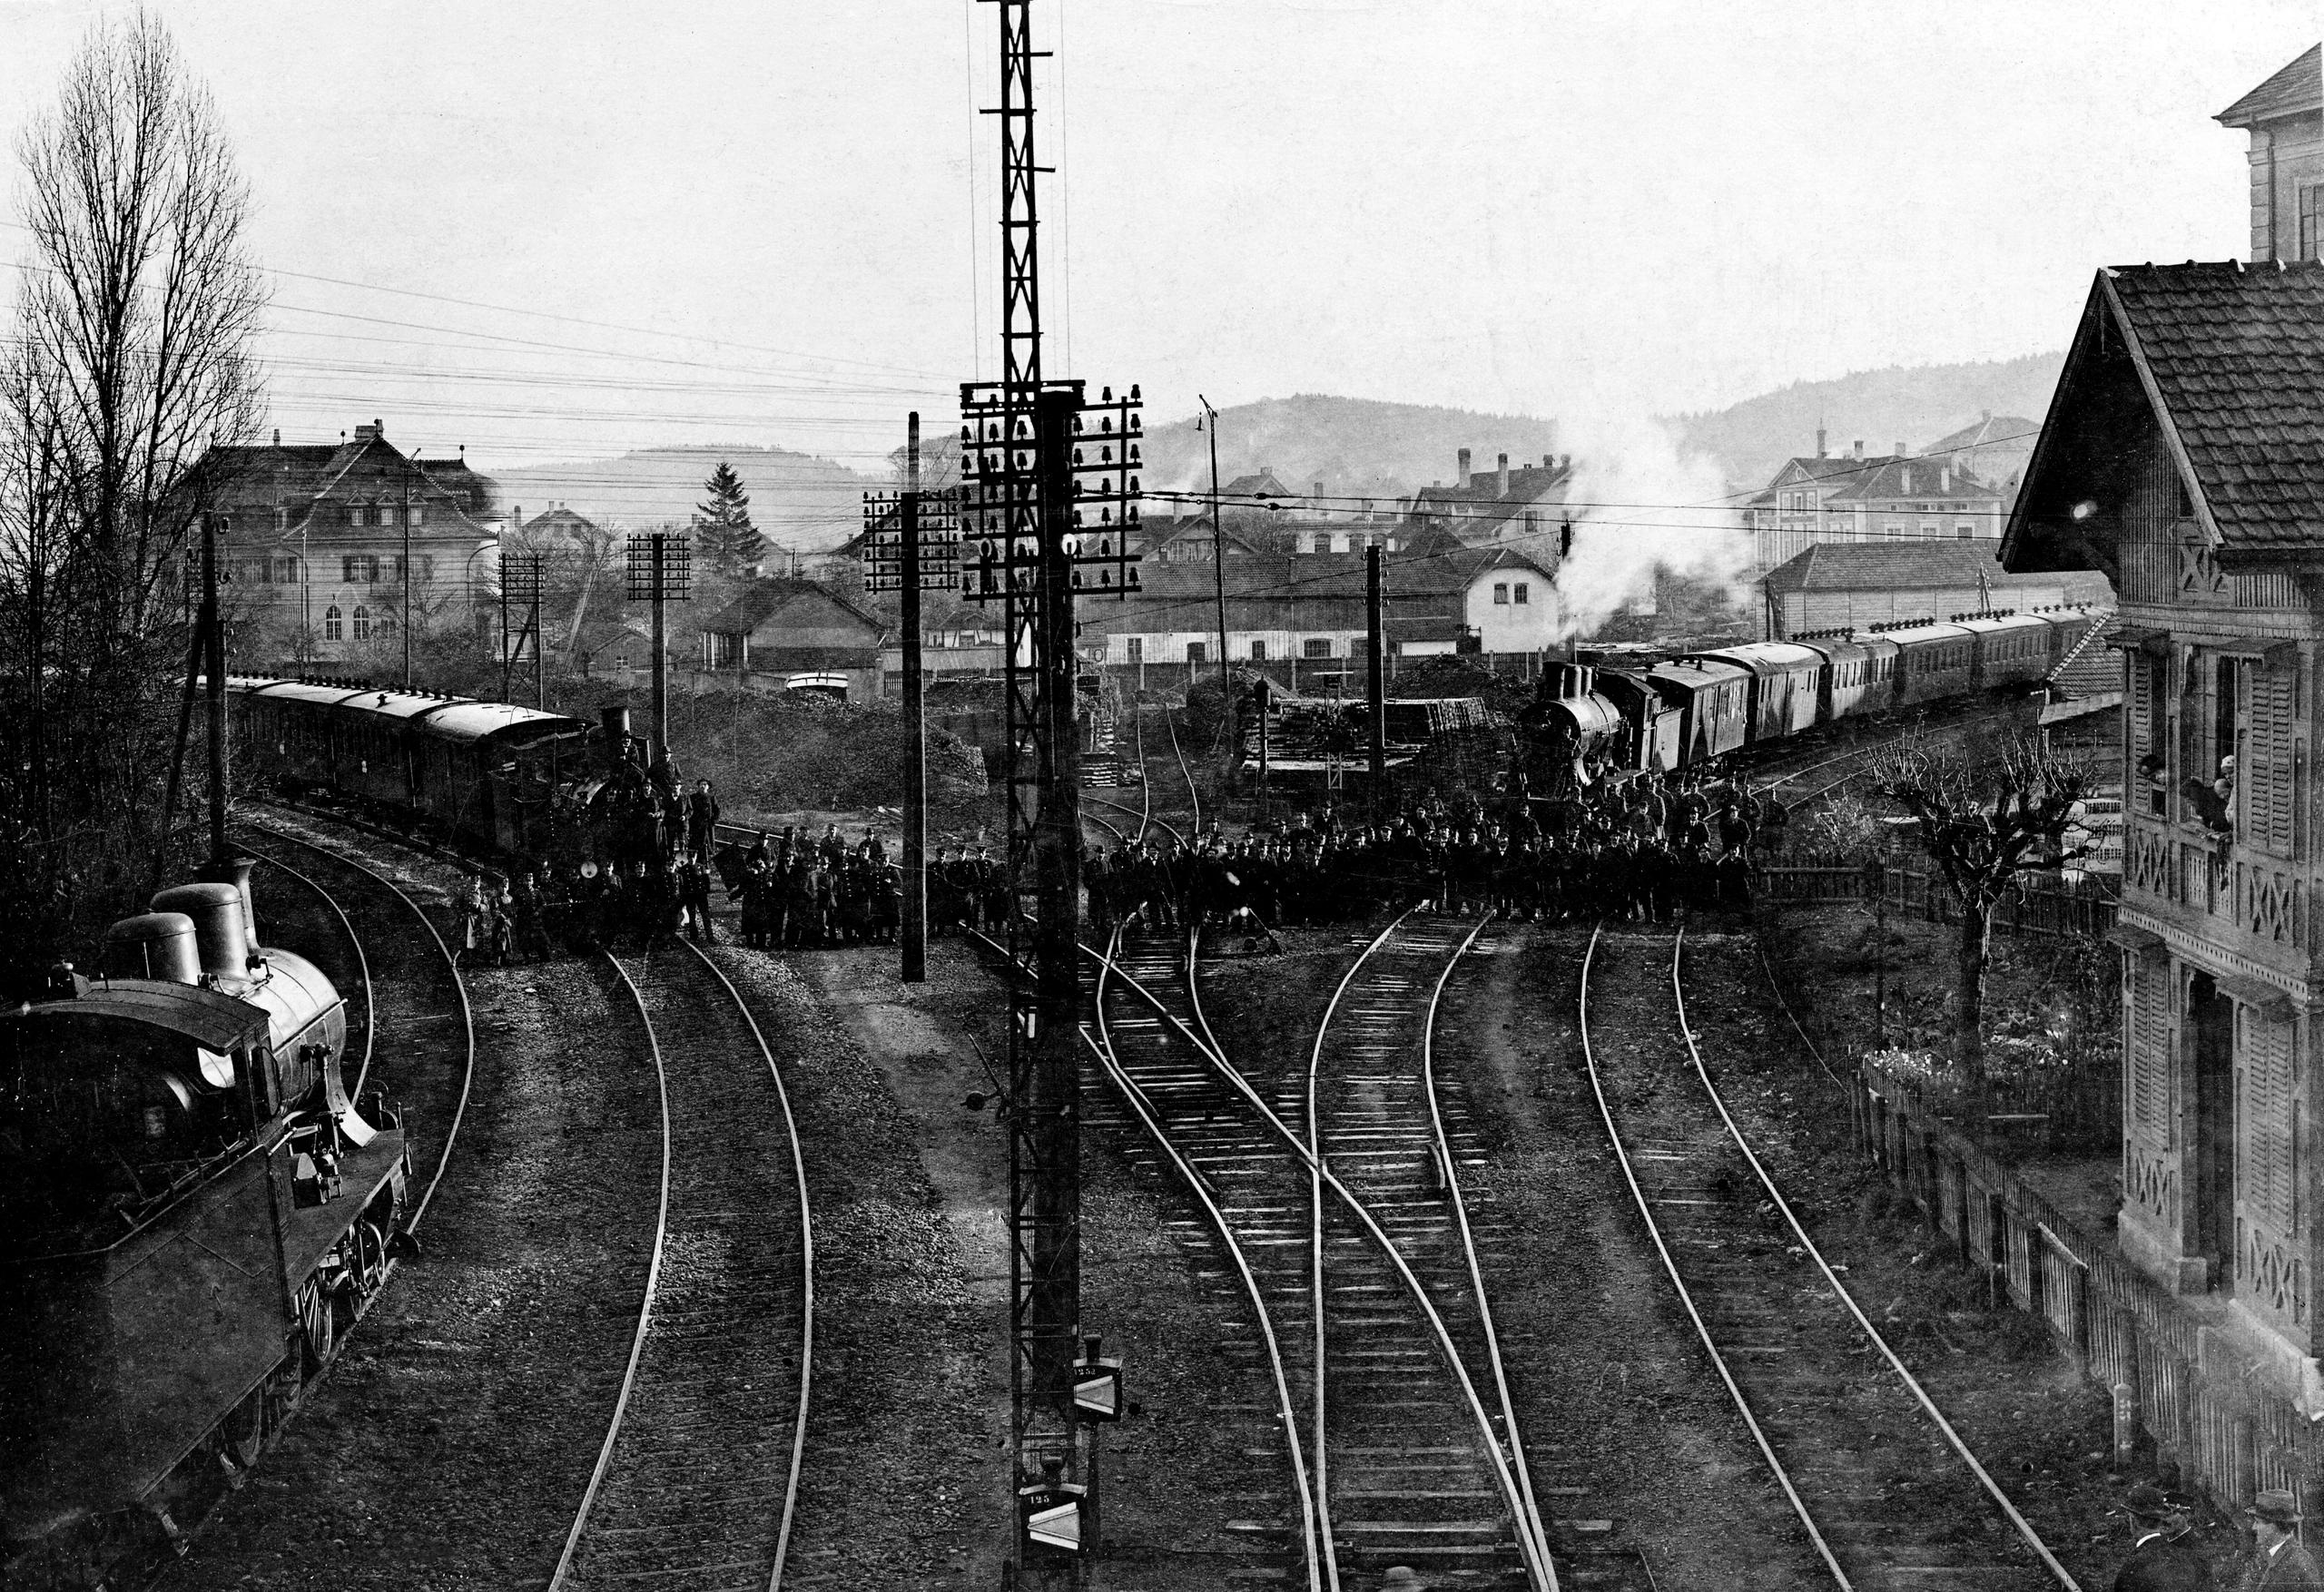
(1534, 206)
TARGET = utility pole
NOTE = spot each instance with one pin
(1217, 556)
(407, 586)
(661, 572)
(1049, 501)
(1376, 702)
(520, 586)
(922, 551)
(213, 636)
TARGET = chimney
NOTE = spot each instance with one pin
(278, 436)
(1903, 452)
(1463, 481)
(1565, 461)
(364, 434)
(1819, 443)
(1501, 488)
(1859, 447)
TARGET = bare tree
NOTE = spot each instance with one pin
(132, 355)
(1989, 814)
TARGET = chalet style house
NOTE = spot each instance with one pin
(2184, 457)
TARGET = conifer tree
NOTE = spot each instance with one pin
(724, 537)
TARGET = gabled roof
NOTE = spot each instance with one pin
(762, 599)
(1486, 560)
(1482, 501)
(1824, 469)
(1995, 431)
(1861, 566)
(1260, 483)
(2230, 363)
(1895, 479)
(2298, 87)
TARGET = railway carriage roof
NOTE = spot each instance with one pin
(211, 1020)
(454, 718)
(2006, 622)
(1700, 673)
(1925, 634)
(1769, 655)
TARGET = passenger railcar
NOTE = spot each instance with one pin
(1934, 661)
(2012, 649)
(1785, 681)
(191, 1211)
(1714, 698)
(483, 771)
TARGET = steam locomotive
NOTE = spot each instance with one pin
(1688, 710)
(191, 1211)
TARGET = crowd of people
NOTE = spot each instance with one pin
(1638, 850)
(1645, 850)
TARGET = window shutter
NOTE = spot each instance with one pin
(2134, 693)
(2266, 1118)
(2150, 1052)
(2268, 802)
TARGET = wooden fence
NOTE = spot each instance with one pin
(2226, 1430)
(2041, 909)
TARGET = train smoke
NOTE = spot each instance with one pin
(1639, 505)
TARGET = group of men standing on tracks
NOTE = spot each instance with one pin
(799, 892)
(1644, 849)
(652, 886)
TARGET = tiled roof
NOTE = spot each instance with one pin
(1864, 567)
(764, 598)
(1823, 469)
(1482, 500)
(2237, 358)
(1995, 431)
(1912, 477)
(2298, 87)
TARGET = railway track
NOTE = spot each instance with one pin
(1885, 1491)
(1334, 1191)
(696, 1482)
(1186, 773)
(415, 1002)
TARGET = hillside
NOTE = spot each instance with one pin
(1356, 446)
(1914, 405)
(1363, 447)
(809, 505)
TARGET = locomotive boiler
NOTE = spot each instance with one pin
(191, 1211)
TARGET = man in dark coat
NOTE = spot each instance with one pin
(2277, 1562)
(2162, 1559)
(701, 820)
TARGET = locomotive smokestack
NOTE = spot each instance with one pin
(615, 720)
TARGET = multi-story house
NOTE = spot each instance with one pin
(2285, 119)
(317, 538)
(2184, 457)
(1524, 505)
(1903, 498)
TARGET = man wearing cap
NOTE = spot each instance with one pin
(2279, 1563)
(2162, 1559)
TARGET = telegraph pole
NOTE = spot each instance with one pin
(213, 640)
(1049, 502)
(407, 586)
(661, 572)
(912, 543)
(1376, 700)
(520, 586)
(1217, 555)
(915, 912)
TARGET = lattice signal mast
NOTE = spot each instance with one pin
(1049, 490)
